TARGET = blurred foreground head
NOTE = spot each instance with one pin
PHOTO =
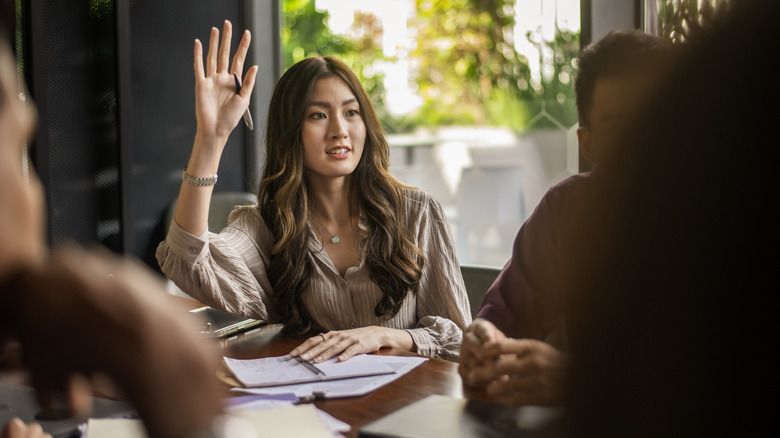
(670, 311)
(21, 198)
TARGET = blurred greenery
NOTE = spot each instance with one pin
(467, 69)
(305, 34)
(680, 20)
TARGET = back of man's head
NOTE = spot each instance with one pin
(621, 53)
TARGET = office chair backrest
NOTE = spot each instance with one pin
(478, 280)
(222, 203)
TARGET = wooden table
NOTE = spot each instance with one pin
(435, 376)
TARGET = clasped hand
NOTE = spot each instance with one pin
(515, 371)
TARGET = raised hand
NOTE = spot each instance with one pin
(218, 106)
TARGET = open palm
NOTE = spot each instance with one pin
(218, 107)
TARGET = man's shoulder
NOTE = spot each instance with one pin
(574, 182)
(563, 192)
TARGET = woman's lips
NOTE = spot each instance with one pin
(339, 153)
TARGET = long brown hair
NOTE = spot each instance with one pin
(394, 261)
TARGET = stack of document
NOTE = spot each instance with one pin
(286, 370)
(369, 372)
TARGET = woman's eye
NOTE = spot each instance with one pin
(317, 116)
(351, 113)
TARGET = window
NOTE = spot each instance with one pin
(679, 19)
(478, 103)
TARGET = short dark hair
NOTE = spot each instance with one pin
(619, 53)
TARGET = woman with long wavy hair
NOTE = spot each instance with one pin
(336, 244)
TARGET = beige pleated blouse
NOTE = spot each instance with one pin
(228, 271)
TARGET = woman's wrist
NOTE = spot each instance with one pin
(398, 338)
(204, 161)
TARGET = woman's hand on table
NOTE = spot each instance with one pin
(348, 343)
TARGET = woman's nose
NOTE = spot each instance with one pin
(338, 128)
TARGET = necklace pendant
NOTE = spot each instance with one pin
(335, 239)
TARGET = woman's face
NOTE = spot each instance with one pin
(21, 202)
(334, 132)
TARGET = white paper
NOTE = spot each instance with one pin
(352, 387)
(115, 428)
(288, 421)
(282, 370)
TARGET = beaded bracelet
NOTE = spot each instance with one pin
(197, 180)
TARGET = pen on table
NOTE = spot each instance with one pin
(310, 366)
(247, 115)
(314, 396)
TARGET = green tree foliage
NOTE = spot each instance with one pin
(680, 20)
(305, 33)
(468, 70)
(471, 73)
(467, 57)
(554, 104)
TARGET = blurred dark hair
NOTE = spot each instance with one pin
(671, 314)
(620, 53)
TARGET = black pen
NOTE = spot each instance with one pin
(310, 366)
(315, 396)
(247, 115)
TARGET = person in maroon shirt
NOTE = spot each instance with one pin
(516, 344)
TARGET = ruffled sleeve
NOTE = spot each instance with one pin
(442, 302)
(227, 270)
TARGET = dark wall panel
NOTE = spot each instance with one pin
(70, 65)
(114, 85)
(162, 35)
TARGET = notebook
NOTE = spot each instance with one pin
(284, 370)
(20, 401)
(438, 416)
(220, 324)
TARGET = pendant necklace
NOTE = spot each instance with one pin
(333, 237)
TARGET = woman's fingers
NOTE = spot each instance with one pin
(325, 346)
(198, 54)
(240, 56)
(224, 49)
(349, 352)
(211, 56)
(307, 345)
(249, 82)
